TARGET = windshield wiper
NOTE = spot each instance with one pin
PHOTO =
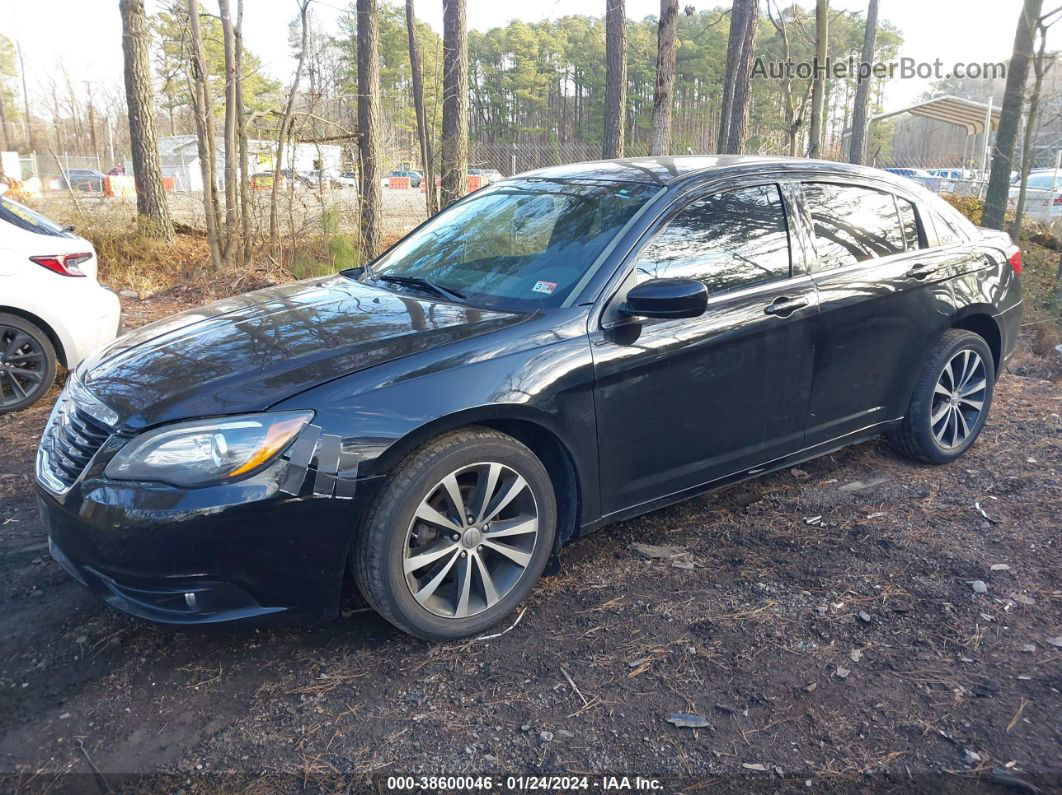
(420, 281)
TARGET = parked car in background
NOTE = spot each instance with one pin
(414, 177)
(947, 173)
(327, 177)
(1043, 195)
(923, 178)
(85, 179)
(300, 181)
(347, 179)
(950, 178)
(52, 309)
(552, 353)
(487, 175)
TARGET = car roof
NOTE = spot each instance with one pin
(669, 170)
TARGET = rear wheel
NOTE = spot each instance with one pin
(27, 363)
(950, 402)
(459, 536)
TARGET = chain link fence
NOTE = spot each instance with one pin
(311, 207)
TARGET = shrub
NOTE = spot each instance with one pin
(970, 206)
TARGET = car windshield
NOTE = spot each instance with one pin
(516, 245)
(25, 218)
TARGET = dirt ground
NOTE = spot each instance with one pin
(823, 622)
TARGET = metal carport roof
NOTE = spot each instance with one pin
(953, 110)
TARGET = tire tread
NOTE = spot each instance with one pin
(369, 569)
(904, 439)
(41, 336)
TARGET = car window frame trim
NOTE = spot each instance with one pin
(674, 200)
(926, 216)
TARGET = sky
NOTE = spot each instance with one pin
(84, 36)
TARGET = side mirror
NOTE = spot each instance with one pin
(666, 298)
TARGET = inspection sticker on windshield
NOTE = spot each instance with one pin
(544, 287)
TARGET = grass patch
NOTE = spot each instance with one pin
(333, 251)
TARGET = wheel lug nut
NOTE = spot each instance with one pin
(479, 548)
(464, 554)
(455, 537)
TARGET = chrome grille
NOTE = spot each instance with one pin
(76, 429)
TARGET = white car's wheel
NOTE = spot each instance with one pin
(27, 363)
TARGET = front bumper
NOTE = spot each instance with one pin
(238, 552)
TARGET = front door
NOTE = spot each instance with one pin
(681, 402)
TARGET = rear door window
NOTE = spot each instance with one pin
(728, 240)
(852, 224)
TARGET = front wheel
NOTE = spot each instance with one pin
(458, 537)
(950, 402)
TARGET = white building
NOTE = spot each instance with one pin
(179, 156)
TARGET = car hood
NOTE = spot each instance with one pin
(248, 352)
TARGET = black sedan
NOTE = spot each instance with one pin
(556, 352)
(85, 179)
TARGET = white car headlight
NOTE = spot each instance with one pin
(205, 452)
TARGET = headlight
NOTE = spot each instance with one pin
(202, 452)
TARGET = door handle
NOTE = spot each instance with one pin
(784, 306)
(921, 271)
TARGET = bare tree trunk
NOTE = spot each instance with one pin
(423, 133)
(28, 121)
(455, 102)
(152, 209)
(739, 110)
(615, 78)
(664, 95)
(1058, 284)
(369, 127)
(4, 132)
(734, 43)
(241, 134)
(57, 123)
(1010, 116)
(1031, 120)
(285, 124)
(231, 154)
(204, 123)
(818, 85)
(791, 123)
(856, 142)
(92, 121)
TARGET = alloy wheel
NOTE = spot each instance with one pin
(471, 539)
(958, 399)
(23, 365)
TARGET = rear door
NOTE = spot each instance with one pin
(882, 297)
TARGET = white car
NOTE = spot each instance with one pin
(347, 179)
(1043, 195)
(52, 308)
(487, 175)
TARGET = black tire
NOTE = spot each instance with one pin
(916, 437)
(24, 348)
(384, 541)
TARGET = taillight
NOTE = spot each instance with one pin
(1014, 258)
(1058, 200)
(63, 264)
